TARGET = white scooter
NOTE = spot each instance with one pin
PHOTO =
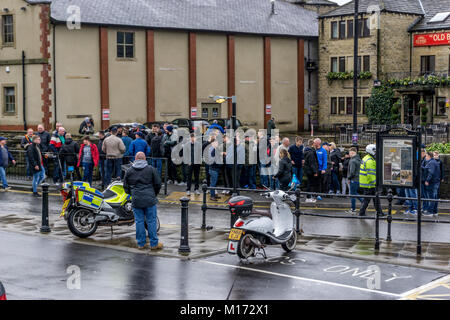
(255, 229)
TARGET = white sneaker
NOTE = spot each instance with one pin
(169, 182)
(313, 200)
(351, 211)
(224, 192)
(309, 200)
(188, 193)
(197, 192)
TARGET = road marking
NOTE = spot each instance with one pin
(303, 279)
(29, 192)
(415, 293)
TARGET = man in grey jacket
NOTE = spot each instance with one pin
(353, 177)
(114, 149)
(143, 183)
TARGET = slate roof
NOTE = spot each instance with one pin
(315, 2)
(432, 7)
(399, 6)
(233, 16)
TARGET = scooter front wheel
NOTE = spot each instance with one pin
(81, 223)
(245, 247)
(289, 245)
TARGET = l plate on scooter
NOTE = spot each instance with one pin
(235, 234)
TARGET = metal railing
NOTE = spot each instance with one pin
(21, 172)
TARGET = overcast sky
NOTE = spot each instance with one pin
(341, 1)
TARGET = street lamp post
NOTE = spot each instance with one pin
(355, 75)
(221, 99)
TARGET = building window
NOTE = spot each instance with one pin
(334, 65)
(427, 64)
(365, 99)
(342, 29)
(333, 109)
(363, 28)
(349, 106)
(359, 64)
(7, 30)
(440, 106)
(341, 105)
(366, 63)
(211, 110)
(125, 45)
(358, 105)
(334, 30)
(349, 29)
(341, 64)
(9, 100)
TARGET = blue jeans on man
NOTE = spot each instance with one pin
(411, 193)
(251, 176)
(3, 177)
(146, 214)
(354, 185)
(88, 169)
(335, 185)
(263, 177)
(157, 163)
(38, 177)
(214, 176)
(113, 169)
(298, 173)
(431, 192)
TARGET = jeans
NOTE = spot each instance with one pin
(113, 169)
(263, 178)
(298, 173)
(335, 186)
(157, 163)
(38, 177)
(149, 214)
(3, 177)
(401, 192)
(431, 192)
(354, 185)
(88, 168)
(411, 193)
(251, 174)
(214, 176)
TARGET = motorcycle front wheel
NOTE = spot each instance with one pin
(245, 247)
(289, 245)
(79, 224)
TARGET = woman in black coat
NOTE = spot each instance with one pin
(284, 174)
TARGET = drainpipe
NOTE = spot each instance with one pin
(24, 92)
(54, 74)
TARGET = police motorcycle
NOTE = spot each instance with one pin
(256, 229)
(86, 208)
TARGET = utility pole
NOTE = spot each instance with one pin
(355, 75)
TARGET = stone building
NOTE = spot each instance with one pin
(155, 60)
(401, 44)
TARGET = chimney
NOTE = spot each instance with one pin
(273, 6)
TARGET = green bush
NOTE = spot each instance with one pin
(379, 105)
(443, 148)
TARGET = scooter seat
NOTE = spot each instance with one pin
(261, 213)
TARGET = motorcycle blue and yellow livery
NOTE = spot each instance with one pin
(85, 208)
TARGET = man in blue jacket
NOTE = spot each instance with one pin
(5, 158)
(138, 145)
(431, 180)
(322, 157)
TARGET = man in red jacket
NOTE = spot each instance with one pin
(88, 158)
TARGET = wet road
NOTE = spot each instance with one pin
(23, 203)
(36, 267)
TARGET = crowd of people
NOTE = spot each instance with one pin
(326, 168)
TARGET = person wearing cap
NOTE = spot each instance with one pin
(114, 149)
(5, 158)
(138, 145)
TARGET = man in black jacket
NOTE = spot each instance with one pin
(36, 164)
(69, 155)
(143, 183)
(311, 170)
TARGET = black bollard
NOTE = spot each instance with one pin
(389, 217)
(45, 226)
(297, 211)
(184, 240)
(204, 205)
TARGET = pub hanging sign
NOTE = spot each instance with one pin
(432, 39)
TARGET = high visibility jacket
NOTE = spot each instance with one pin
(367, 172)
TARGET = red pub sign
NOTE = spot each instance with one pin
(432, 39)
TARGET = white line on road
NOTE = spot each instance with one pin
(425, 286)
(303, 279)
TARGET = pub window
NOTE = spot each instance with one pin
(363, 28)
(334, 64)
(125, 45)
(333, 106)
(427, 64)
(7, 29)
(342, 29)
(366, 63)
(9, 100)
(349, 105)
(365, 99)
(358, 104)
(341, 105)
(341, 64)
(334, 30)
(440, 106)
(349, 28)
